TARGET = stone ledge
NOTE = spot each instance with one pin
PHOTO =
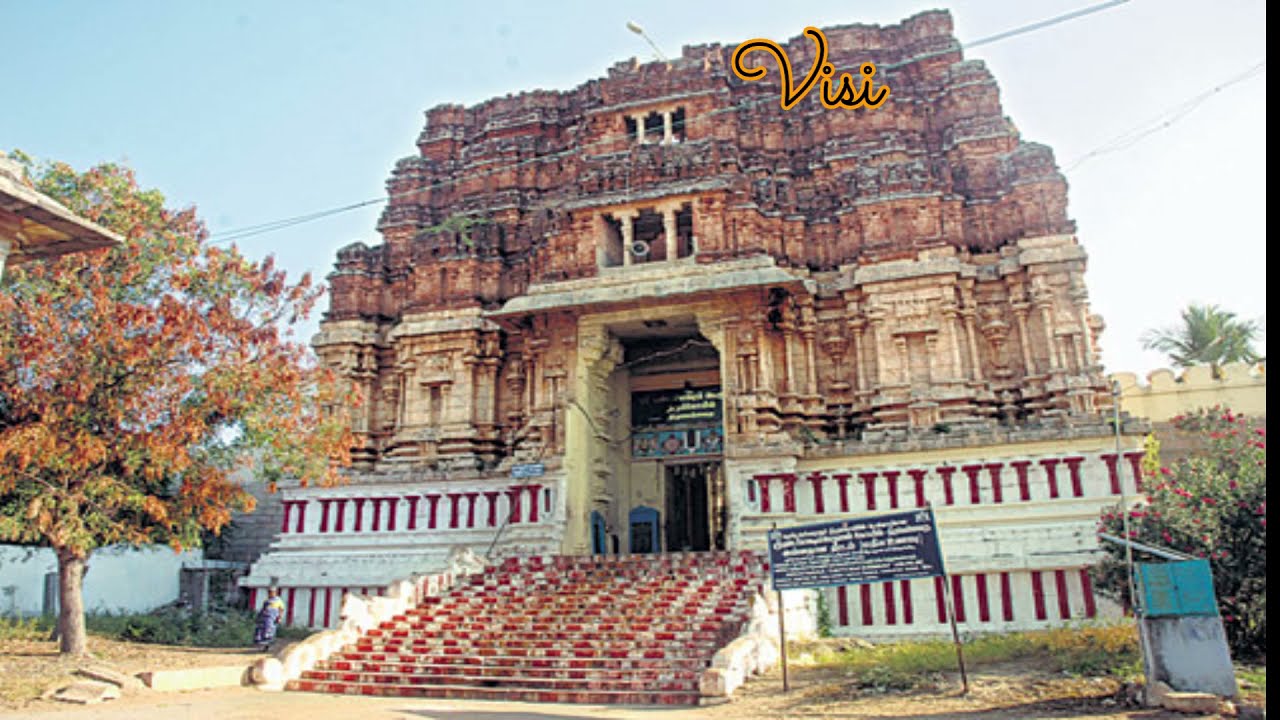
(87, 692)
(196, 678)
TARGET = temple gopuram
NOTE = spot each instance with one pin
(657, 313)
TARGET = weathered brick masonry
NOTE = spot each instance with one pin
(891, 304)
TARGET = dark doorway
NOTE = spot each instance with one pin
(696, 511)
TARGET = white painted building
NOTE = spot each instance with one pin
(119, 579)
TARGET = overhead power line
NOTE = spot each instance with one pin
(252, 230)
(1137, 133)
(1040, 25)
(242, 233)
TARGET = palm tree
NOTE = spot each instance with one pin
(1207, 335)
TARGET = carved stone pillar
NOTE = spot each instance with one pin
(766, 377)
(669, 222)
(811, 361)
(973, 346)
(878, 343)
(1046, 319)
(788, 360)
(1024, 339)
(951, 325)
(859, 362)
(904, 360)
(930, 352)
(625, 219)
(1085, 350)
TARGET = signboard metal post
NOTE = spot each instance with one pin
(782, 635)
(955, 633)
(951, 609)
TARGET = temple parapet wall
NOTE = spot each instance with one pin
(1167, 394)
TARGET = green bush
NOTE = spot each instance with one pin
(18, 628)
(175, 626)
(169, 625)
(1211, 505)
(824, 615)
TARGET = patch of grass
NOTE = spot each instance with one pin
(1086, 650)
(1103, 649)
(1255, 677)
(18, 692)
(17, 628)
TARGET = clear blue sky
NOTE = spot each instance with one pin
(256, 111)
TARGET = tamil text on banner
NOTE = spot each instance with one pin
(897, 546)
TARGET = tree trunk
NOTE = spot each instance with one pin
(71, 565)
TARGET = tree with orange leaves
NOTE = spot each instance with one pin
(134, 380)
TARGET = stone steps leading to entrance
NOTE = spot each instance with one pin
(619, 629)
(546, 680)
(358, 662)
(505, 694)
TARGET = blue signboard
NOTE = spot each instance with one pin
(1177, 588)
(896, 546)
(528, 470)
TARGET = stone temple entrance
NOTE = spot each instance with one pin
(656, 456)
(696, 507)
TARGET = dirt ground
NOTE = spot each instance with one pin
(29, 667)
(997, 693)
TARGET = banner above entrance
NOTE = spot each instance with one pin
(673, 423)
(897, 546)
(684, 407)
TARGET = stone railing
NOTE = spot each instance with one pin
(754, 651)
(361, 612)
(987, 482)
(370, 509)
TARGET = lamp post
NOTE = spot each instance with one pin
(1124, 498)
(634, 27)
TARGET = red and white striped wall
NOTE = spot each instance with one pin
(337, 512)
(320, 607)
(944, 485)
(994, 601)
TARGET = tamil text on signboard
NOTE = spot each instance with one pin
(898, 546)
(691, 406)
(670, 423)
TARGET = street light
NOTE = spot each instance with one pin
(1124, 499)
(634, 27)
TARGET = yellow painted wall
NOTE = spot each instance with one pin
(1241, 387)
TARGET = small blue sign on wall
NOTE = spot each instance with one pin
(1184, 587)
(896, 546)
(528, 470)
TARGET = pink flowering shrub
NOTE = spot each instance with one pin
(1211, 505)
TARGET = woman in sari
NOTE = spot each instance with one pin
(269, 619)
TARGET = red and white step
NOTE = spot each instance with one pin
(634, 629)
